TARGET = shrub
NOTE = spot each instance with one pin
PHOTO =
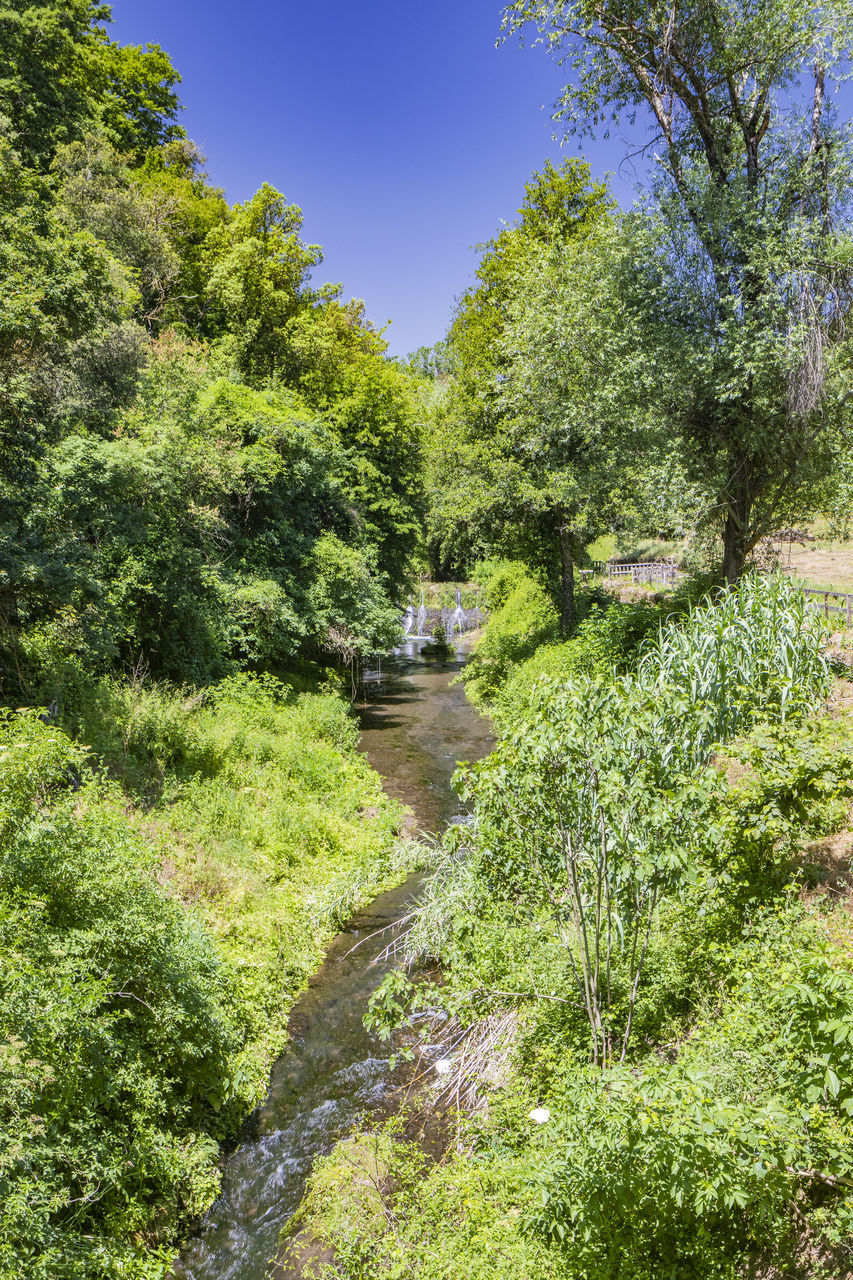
(525, 620)
(117, 1041)
(498, 579)
(692, 1167)
(138, 1022)
(607, 640)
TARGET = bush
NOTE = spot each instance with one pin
(498, 579)
(524, 621)
(607, 640)
(608, 637)
(691, 1167)
(117, 1040)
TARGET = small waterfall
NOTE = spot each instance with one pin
(420, 623)
(458, 620)
(422, 616)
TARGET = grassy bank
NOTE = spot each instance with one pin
(646, 944)
(165, 891)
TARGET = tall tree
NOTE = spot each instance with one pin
(258, 270)
(581, 394)
(60, 77)
(495, 486)
(752, 185)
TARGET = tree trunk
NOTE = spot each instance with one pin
(736, 543)
(567, 581)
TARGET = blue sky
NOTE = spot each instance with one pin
(397, 126)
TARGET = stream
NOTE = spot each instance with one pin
(414, 730)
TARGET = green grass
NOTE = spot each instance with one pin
(277, 843)
(166, 891)
(632, 549)
(268, 824)
(604, 548)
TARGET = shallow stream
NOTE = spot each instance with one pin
(414, 730)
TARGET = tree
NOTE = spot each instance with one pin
(58, 287)
(747, 268)
(62, 77)
(579, 394)
(339, 362)
(98, 195)
(154, 219)
(493, 486)
(139, 106)
(434, 362)
(152, 507)
(258, 268)
(174, 174)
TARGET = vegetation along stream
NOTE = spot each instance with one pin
(415, 727)
(224, 483)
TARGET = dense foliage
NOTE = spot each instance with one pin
(627, 901)
(205, 462)
(496, 484)
(136, 1033)
(116, 1029)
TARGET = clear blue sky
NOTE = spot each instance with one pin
(397, 126)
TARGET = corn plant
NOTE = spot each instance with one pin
(587, 809)
(755, 652)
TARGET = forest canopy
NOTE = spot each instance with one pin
(205, 460)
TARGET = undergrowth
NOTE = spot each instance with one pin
(167, 884)
(522, 641)
(680, 1097)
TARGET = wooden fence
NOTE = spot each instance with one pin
(662, 571)
(838, 602)
(843, 605)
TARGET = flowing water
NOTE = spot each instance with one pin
(414, 730)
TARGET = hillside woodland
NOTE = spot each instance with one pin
(217, 490)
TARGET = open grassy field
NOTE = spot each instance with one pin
(825, 565)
